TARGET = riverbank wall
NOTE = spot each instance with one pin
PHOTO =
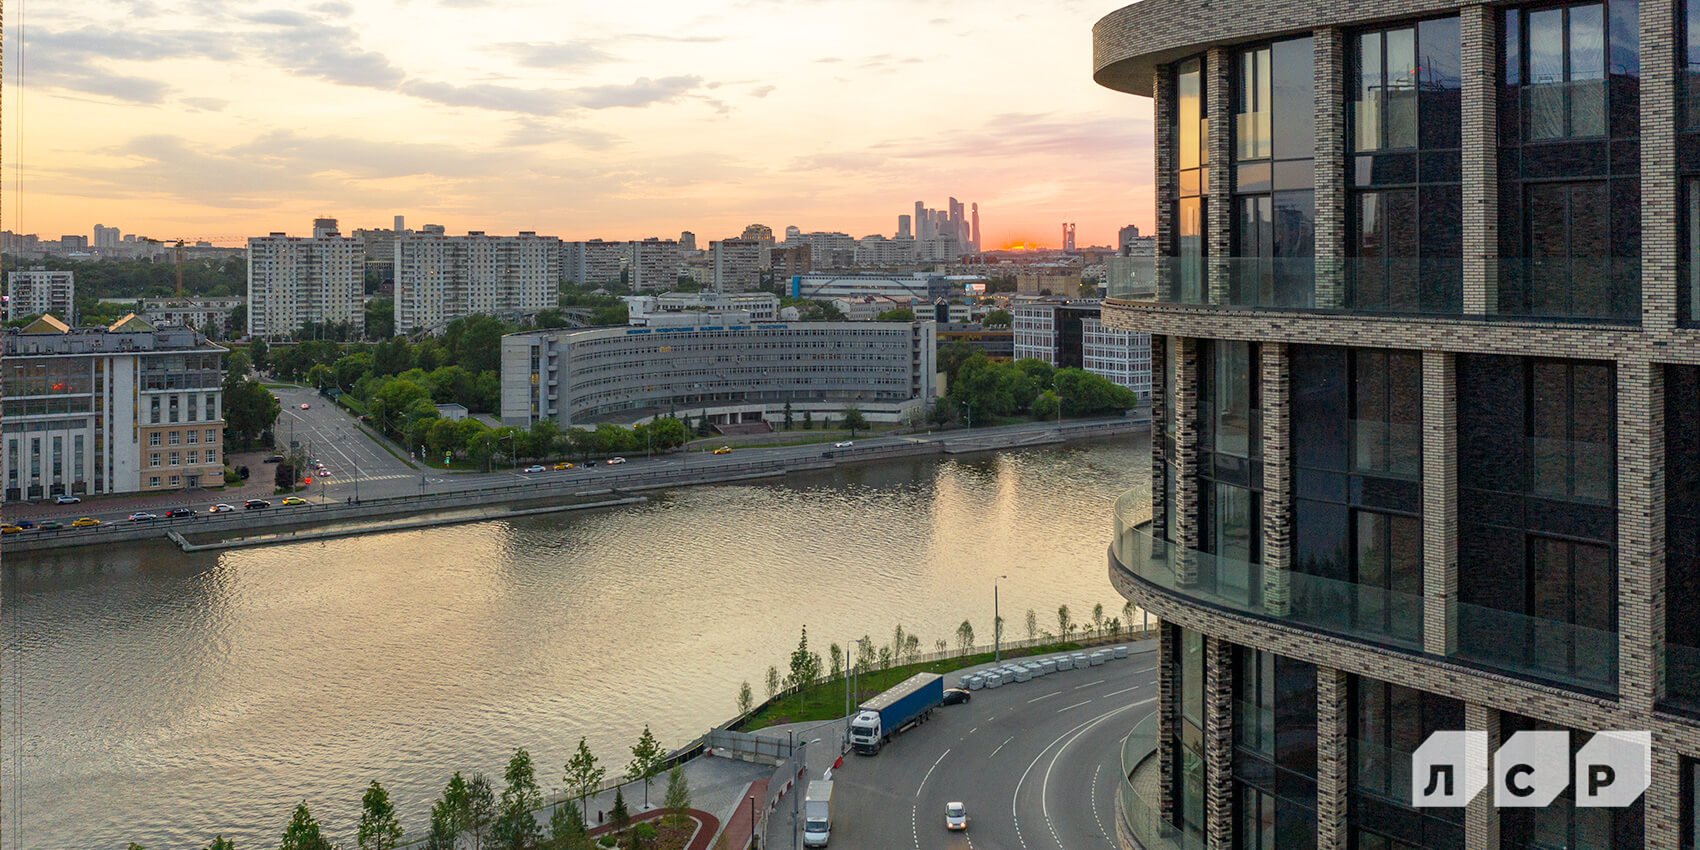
(274, 525)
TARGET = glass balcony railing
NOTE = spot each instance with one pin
(1138, 797)
(1359, 611)
(1539, 648)
(1572, 469)
(1254, 727)
(1605, 289)
(1387, 448)
(1381, 770)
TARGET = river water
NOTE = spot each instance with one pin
(158, 697)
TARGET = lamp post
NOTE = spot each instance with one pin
(997, 624)
(752, 821)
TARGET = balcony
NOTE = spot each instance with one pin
(1594, 289)
(1139, 790)
(1358, 611)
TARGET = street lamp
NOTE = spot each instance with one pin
(997, 624)
(752, 821)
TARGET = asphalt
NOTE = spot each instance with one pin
(1035, 763)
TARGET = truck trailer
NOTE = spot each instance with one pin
(894, 711)
(817, 814)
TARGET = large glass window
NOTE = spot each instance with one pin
(1275, 751)
(1274, 179)
(1690, 239)
(1690, 811)
(1388, 723)
(1229, 470)
(1192, 147)
(1571, 430)
(1565, 95)
(1682, 536)
(1563, 823)
(1690, 65)
(1187, 770)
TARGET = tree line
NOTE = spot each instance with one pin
(981, 390)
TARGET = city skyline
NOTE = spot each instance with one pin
(516, 116)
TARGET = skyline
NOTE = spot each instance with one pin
(146, 115)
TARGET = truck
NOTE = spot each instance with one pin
(910, 702)
(817, 813)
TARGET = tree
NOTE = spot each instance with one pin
(457, 807)
(1098, 618)
(260, 354)
(678, 800)
(647, 756)
(1085, 394)
(1045, 406)
(965, 636)
(516, 828)
(941, 645)
(566, 825)
(480, 808)
(303, 832)
(805, 665)
(442, 834)
(900, 314)
(1065, 622)
(380, 318)
(619, 815)
(854, 420)
(787, 416)
(997, 319)
(836, 653)
(1032, 624)
(584, 775)
(378, 828)
(249, 410)
(773, 682)
(746, 700)
(218, 843)
(808, 420)
(898, 637)
(912, 647)
(1128, 610)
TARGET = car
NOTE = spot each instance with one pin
(534, 468)
(143, 516)
(305, 405)
(11, 529)
(220, 508)
(955, 817)
(174, 513)
(274, 458)
(25, 524)
(563, 466)
(85, 522)
(255, 504)
(616, 460)
(50, 525)
(66, 500)
(294, 500)
(956, 696)
(723, 450)
(844, 444)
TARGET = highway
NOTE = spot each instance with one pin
(1035, 763)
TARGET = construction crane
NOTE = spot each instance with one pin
(177, 245)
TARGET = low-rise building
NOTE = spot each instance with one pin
(1061, 282)
(118, 409)
(730, 374)
(996, 343)
(38, 291)
(878, 252)
(867, 308)
(210, 316)
(650, 310)
(1067, 333)
(922, 287)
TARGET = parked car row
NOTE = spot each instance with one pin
(22, 526)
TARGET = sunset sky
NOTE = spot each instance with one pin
(219, 120)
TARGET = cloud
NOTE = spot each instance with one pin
(571, 54)
(335, 8)
(205, 104)
(761, 91)
(312, 47)
(489, 96)
(82, 59)
(641, 92)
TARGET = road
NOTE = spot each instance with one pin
(361, 468)
(1036, 764)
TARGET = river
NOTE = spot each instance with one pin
(161, 698)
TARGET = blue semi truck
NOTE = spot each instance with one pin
(895, 710)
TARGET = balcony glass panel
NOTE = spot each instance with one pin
(1601, 288)
(1360, 611)
(1381, 770)
(1537, 647)
(1139, 789)
(1254, 727)
(1432, 285)
(1387, 448)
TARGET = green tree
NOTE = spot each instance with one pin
(1085, 394)
(773, 682)
(953, 356)
(808, 421)
(1045, 406)
(378, 828)
(619, 815)
(805, 665)
(901, 314)
(647, 756)
(260, 352)
(380, 318)
(997, 319)
(788, 416)
(480, 808)
(303, 832)
(442, 834)
(566, 826)
(250, 411)
(457, 805)
(1065, 622)
(1032, 624)
(516, 828)
(1098, 618)
(854, 420)
(678, 799)
(218, 843)
(965, 635)
(584, 774)
(836, 653)
(746, 699)
(1128, 610)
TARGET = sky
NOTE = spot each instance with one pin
(201, 119)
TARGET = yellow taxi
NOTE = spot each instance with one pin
(563, 466)
(723, 450)
(11, 529)
(294, 500)
(85, 522)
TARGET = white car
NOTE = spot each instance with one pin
(66, 500)
(844, 444)
(220, 508)
(955, 817)
(616, 460)
(535, 468)
(142, 516)
(305, 405)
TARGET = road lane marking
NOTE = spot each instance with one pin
(1001, 746)
(1014, 799)
(1122, 691)
(1046, 696)
(914, 808)
(1076, 705)
(973, 730)
(1096, 816)
(1045, 787)
(1090, 684)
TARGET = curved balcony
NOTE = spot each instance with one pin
(1510, 642)
(1138, 795)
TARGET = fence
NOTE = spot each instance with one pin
(743, 743)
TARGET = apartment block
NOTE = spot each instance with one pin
(737, 264)
(655, 265)
(37, 291)
(294, 280)
(441, 278)
(595, 262)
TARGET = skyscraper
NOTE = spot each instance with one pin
(974, 238)
(902, 228)
(923, 228)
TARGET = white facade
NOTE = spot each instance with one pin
(204, 314)
(655, 265)
(827, 250)
(33, 292)
(439, 278)
(294, 280)
(826, 287)
(879, 252)
(1035, 327)
(593, 263)
(1123, 356)
(649, 310)
(938, 249)
(737, 264)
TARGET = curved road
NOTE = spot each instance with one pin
(1035, 763)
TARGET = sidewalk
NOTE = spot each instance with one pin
(261, 484)
(718, 787)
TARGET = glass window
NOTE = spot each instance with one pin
(1387, 412)
(1691, 66)
(1690, 811)
(1691, 242)
(1257, 819)
(1570, 419)
(1564, 91)
(1294, 99)
(1231, 399)
(1252, 124)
